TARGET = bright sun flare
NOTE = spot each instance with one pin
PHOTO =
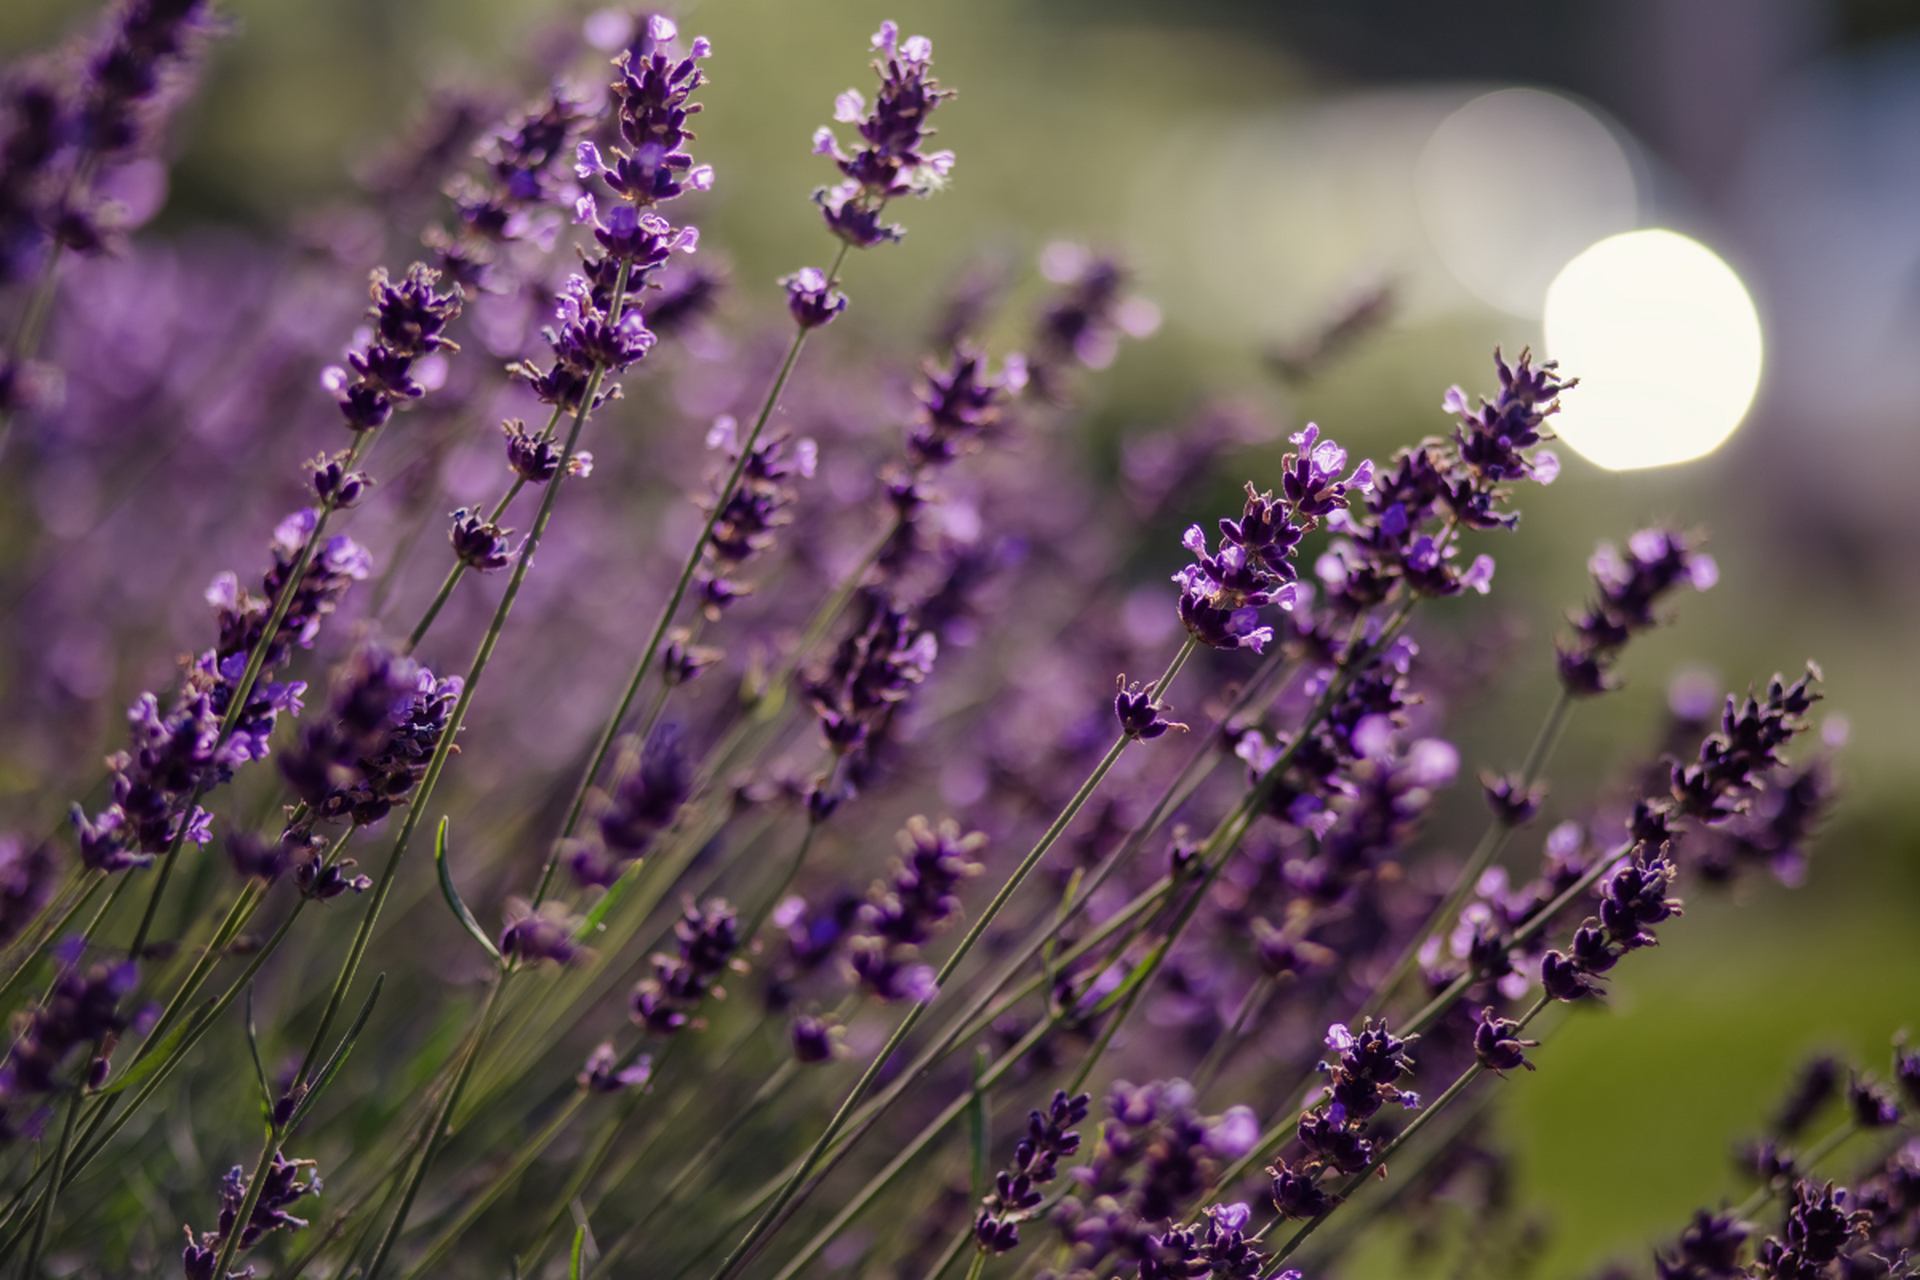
(1665, 342)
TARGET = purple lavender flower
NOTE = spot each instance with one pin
(892, 162)
(811, 298)
(81, 1009)
(282, 1188)
(1050, 1138)
(525, 167)
(1626, 591)
(1709, 1249)
(653, 90)
(707, 936)
(904, 912)
(872, 673)
(1819, 1227)
(1489, 439)
(535, 934)
(586, 337)
(1082, 325)
(478, 542)
(603, 1073)
(1497, 1045)
(812, 1039)
(410, 320)
(26, 882)
(644, 803)
(1735, 761)
(959, 404)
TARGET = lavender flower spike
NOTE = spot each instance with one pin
(892, 162)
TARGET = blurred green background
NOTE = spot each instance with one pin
(1259, 162)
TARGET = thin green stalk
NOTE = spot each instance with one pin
(1484, 853)
(436, 1132)
(47, 1201)
(736, 1259)
(973, 1272)
(612, 728)
(231, 1245)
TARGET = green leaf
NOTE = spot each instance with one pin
(452, 894)
(259, 1072)
(615, 891)
(325, 1076)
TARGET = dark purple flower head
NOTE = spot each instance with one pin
(813, 1039)
(1873, 1104)
(1497, 1045)
(525, 167)
(1361, 1078)
(1490, 437)
(640, 238)
(26, 881)
(892, 161)
(1296, 1194)
(1906, 1070)
(749, 514)
(1080, 327)
(587, 337)
(1709, 1249)
(604, 1074)
(872, 673)
(903, 913)
(959, 403)
(707, 937)
(323, 881)
(1813, 1087)
(533, 456)
(282, 1186)
(653, 89)
(479, 542)
(334, 485)
(543, 933)
(1051, 1137)
(644, 803)
(1139, 713)
(811, 298)
(1626, 591)
(1513, 802)
(1734, 762)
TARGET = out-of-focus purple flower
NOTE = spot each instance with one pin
(26, 882)
(872, 673)
(707, 936)
(904, 912)
(80, 1009)
(1626, 590)
(533, 934)
(1082, 325)
(643, 804)
(604, 1074)
(1709, 1249)
(959, 403)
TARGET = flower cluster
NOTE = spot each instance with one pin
(872, 673)
(1155, 1156)
(1221, 594)
(1735, 762)
(81, 1009)
(1082, 325)
(653, 90)
(281, 1189)
(1332, 1132)
(1626, 589)
(959, 403)
(904, 912)
(387, 716)
(1632, 899)
(1219, 1247)
(643, 805)
(744, 524)
(409, 321)
(1050, 1138)
(707, 937)
(546, 932)
(524, 172)
(183, 753)
(892, 162)
(26, 881)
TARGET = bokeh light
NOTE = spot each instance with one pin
(1516, 182)
(1665, 342)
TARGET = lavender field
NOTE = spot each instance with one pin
(1004, 640)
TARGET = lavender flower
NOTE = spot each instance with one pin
(960, 403)
(81, 1009)
(26, 882)
(1050, 1138)
(892, 162)
(904, 912)
(1626, 591)
(653, 90)
(872, 673)
(708, 936)
(525, 167)
(1083, 324)
(604, 1074)
(543, 933)
(643, 804)
(811, 298)
(283, 1187)
(410, 320)
(1819, 1227)
(479, 543)
(1709, 1249)
(1497, 1045)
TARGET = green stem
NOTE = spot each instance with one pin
(459, 569)
(231, 1245)
(435, 1135)
(45, 1217)
(611, 729)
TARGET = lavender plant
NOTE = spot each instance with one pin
(896, 788)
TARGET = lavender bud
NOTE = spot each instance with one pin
(479, 543)
(1497, 1045)
(811, 298)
